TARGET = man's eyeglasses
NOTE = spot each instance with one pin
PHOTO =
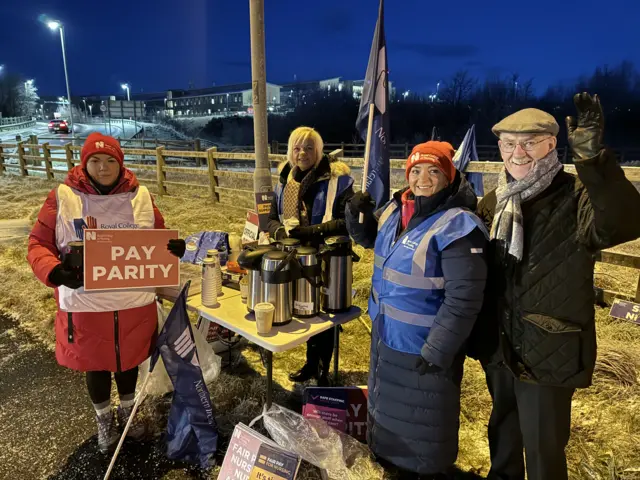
(509, 146)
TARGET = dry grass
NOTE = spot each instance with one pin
(605, 440)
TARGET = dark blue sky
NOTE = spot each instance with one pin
(156, 45)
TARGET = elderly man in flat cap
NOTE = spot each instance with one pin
(545, 225)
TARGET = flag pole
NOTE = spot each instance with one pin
(367, 151)
(141, 396)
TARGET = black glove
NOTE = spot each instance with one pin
(585, 132)
(304, 233)
(69, 278)
(426, 367)
(362, 203)
(177, 247)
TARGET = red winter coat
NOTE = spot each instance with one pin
(113, 341)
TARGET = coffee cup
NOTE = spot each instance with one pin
(264, 317)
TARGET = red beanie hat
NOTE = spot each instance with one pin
(439, 154)
(99, 143)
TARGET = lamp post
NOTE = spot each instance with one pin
(57, 25)
(125, 86)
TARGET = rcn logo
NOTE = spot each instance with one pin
(80, 225)
(411, 245)
(185, 347)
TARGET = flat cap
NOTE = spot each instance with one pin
(529, 120)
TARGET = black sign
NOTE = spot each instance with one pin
(263, 207)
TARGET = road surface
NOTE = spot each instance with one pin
(47, 426)
(80, 129)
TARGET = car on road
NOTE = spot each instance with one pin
(58, 126)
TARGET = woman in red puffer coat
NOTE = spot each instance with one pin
(98, 332)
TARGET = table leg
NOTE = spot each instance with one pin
(269, 377)
(336, 352)
(229, 346)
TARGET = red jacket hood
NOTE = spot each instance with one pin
(78, 179)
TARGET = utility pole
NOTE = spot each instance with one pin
(262, 172)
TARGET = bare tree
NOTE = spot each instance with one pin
(458, 89)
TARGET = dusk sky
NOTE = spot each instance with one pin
(157, 45)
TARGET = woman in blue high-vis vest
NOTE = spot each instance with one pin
(309, 205)
(427, 290)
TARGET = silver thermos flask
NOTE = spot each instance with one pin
(337, 274)
(251, 261)
(277, 287)
(306, 291)
(289, 244)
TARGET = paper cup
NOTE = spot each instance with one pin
(264, 317)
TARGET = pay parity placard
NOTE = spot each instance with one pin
(118, 259)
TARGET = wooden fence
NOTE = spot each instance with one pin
(39, 158)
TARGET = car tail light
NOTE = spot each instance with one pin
(51, 124)
(63, 124)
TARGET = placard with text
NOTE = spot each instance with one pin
(129, 258)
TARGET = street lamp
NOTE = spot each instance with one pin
(57, 25)
(125, 86)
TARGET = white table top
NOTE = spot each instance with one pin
(232, 314)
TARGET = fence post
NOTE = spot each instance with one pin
(406, 150)
(197, 147)
(23, 166)
(34, 151)
(69, 156)
(46, 153)
(213, 180)
(638, 292)
(2, 168)
(160, 173)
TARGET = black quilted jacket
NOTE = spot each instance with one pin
(538, 316)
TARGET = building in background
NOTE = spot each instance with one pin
(221, 100)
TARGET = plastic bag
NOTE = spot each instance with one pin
(160, 383)
(339, 455)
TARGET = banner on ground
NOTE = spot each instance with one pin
(342, 408)
(129, 258)
(254, 457)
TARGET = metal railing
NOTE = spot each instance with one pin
(15, 123)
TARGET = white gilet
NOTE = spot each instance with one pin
(77, 211)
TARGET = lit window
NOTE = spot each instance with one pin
(213, 101)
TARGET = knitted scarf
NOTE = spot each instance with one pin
(507, 222)
(292, 203)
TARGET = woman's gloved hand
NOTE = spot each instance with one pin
(424, 367)
(362, 203)
(177, 247)
(585, 132)
(59, 276)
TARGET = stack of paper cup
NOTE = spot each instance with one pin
(211, 282)
(264, 317)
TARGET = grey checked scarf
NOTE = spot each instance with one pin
(507, 222)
